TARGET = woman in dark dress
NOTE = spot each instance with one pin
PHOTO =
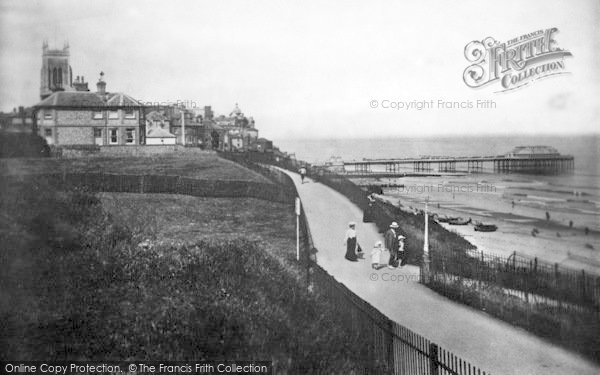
(351, 242)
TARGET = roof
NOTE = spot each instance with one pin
(212, 125)
(159, 133)
(156, 116)
(534, 150)
(86, 99)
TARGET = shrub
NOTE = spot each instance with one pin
(14, 145)
(106, 298)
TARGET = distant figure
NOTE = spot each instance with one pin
(547, 215)
(368, 213)
(558, 234)
(513, 204)
(570, 223)
(376, 255)
(302, 172)
(587, 231)
(391, 244)
(351, 242)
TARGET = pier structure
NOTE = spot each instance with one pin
(535, 160)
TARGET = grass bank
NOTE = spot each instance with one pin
(76, 283)
(206, 166)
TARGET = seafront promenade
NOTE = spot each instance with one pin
(473, 335)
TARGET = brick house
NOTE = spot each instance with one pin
(90, 118)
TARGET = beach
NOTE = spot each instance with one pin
(516, 204)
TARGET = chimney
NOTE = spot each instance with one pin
(101, 85)
(80, 84)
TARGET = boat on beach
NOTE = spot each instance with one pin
(444, 218)
(459, 221)
(481, 227)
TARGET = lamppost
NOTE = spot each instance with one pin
(425, 269)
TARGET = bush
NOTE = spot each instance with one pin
(13, 145)
(100, 297)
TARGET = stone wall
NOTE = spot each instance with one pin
(149, 150)
(75, 135)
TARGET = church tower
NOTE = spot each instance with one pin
(56, 71)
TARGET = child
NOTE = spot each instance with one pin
(376, 255)
(401, 252)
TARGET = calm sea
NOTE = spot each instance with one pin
(585, 149)
(573, 196)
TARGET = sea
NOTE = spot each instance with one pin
(571, 199)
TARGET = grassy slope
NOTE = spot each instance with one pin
(180, 219)
(75, 285)
(204, 166)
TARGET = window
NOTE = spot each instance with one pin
(113, 114)
(129, 113)
(114, 136)
(48, 115)
(129, 136)
(47, 132)
(97, 133)
(98, 115)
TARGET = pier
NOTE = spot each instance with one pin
(523, 159)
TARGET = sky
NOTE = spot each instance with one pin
(308, 70)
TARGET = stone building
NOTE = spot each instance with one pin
(183, 119)
(73, 117)
(157, 129)
(56, 73)
(239, 131)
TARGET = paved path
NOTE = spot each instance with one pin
(482, 340)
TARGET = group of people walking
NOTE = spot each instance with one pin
(393, 241)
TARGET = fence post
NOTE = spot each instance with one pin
(583, 284)
(433, 359)
(390, 348)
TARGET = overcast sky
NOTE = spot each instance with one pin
(310, 69)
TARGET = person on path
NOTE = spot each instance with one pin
(351, 242)
(391, 244)
(302, 172)
(376, 256)
(368, 213)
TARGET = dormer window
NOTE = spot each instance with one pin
(48, 115)
(98, 115)
(113, 114)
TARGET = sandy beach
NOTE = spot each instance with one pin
(489, 199)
